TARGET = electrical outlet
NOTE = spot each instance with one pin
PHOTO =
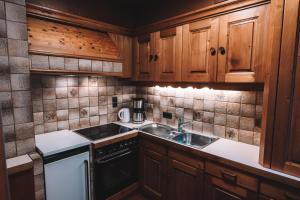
(167, 115)
(114, 102)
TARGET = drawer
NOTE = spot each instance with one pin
(189, 160)
(279, 191)
(154, 146)
(231, 176)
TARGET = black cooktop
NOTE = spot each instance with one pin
(103, 131)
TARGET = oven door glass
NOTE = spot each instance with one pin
(113, 175)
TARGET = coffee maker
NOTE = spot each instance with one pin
(139, 114)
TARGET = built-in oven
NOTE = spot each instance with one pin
(115, 168)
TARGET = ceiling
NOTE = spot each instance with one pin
(128, 13)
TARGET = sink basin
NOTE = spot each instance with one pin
(195, 140)
(160, 130)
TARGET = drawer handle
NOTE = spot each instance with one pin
(291, 196)
(229, 177)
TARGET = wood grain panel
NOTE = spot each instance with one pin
(46, 37)
(243, 35)
(199, 65)
(169, 51)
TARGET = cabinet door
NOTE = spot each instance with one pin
(144, 55)
(200, 43)
(242, 43)
(185, 181)
(169, 53)
(153, 169)
(286, 138)
(217, 189)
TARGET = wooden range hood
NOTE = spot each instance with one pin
(62, 34)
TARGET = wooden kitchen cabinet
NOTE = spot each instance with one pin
(168, 54)
(286, 137)
(144, 57)
(200, 44)
(153, 165)
(242, 45)
(223, 183)
(218, 189)
(185, 177)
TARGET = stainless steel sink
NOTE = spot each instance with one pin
(160, 130)
(195, 140)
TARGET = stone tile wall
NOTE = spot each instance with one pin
(61, 63)
(15, 95)
(70, 102)
(235, 115)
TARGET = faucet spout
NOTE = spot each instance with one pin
(182, 123)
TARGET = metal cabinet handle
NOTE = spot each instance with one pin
(86, 164)
(229, 177)
(222, 50)
(213, 51)
(155, 57)
(150, 58)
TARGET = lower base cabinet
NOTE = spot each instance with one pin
(21, 185)
(217, 189)
(185, 177)
(169, 174)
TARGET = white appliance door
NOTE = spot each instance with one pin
(66, 179)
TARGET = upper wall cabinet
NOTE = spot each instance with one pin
(230, 48)
(144, 56)
(158, 56)
(168, 54)
(242, 45)
(200, 41)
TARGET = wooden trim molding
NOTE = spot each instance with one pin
(203, 13)
(74, 72)
(3, 173)
(270, 89)
(71, 19)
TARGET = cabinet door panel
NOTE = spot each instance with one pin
(152, 172)
(217, 189)
(199, 38)
(243, 37)
(184, 181)
(169, 51)
(144, 66)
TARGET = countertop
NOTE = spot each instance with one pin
(59, 141)
(245, 154)
(18, 164)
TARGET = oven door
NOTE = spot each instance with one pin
(115, 173)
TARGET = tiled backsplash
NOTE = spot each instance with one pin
(61, 63)
(15, 95)
(69, 102)
(235, 115)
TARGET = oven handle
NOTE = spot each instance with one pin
(86, 164)
(114, 158)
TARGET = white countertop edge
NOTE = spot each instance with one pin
(66, 149)
(17, 161)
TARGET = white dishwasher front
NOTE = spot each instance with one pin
(67, 178)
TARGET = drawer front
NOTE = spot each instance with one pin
(189, 160)
(148, 144)
(279, 192)
(231, 176)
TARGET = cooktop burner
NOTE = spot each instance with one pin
(103, 131)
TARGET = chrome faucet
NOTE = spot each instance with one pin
(182, 123)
